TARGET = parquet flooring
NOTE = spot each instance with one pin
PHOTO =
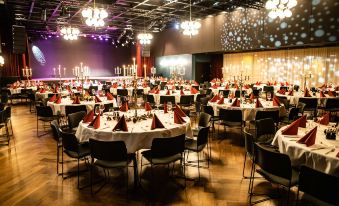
(28, 175)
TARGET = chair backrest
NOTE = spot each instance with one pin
(69, 109)
(237, 93)
(204, 100)
(284, 87)
(267, 114)
(265, 127)
(293, 113)
(208, 109)
(56, 130)
(44, 111)
(169, 146)
(225, 93)
(49, 95)
(2, 118)
(196, 87)
(122, 92)
(284, 100)
(230, 115)
(296, 87)
(186, 99)
(108, 150)
(164, 99)
(8, 112)
(140, 92)
(199, 96)
(249, 143)
(311, 103)
(255, 92)
(301, 106)
(320, 185)
(332, 103)
(202, 137)
(108, 106)
(269, 89)
(204, 119)
(208, 91)
(75, 118)
(150, 98)
(69, 141)
(272, 161)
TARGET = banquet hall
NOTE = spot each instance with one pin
(169, 102)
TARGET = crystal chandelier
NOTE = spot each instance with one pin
(70, 33)
(280, 8)
(94, 16)
(145, 38)
(190, 28)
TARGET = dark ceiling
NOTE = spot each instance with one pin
(124, 16)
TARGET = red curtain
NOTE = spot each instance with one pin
(216, 65)
(141, 61)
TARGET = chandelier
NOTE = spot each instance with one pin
(280, 8)
(70, 33)
(145, 38)
(190, 28)
(94, 16)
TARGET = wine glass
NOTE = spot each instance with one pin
(139, 102)
(97, 111)
(269, 96)
(102, 108)
(169, 106)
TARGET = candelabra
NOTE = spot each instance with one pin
(117, 70)
(153, 71)
(241, 79)
(27, 73)
(307, 76)
(81, 74)
(59, 75)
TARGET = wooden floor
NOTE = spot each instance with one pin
(28, 175)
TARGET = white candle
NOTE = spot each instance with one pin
(59, 70)
(30, 71)
(64, 71)
(54, 70)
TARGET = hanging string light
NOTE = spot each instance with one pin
(70, 33)
(190, 28)
(94, 16)
(280, 8)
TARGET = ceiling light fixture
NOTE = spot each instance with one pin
(190, 28)
(145, 38)
(94, 16)
(70, 33)
(280, 8)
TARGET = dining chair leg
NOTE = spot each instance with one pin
(243, 168)
(57, 159)
(78, 172)
(62, 165)
(198, 166)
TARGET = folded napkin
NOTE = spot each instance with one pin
(246, 86)
(337, 154)
(95, 123)
(152, 90)
(257, 83)
(307, 93)
(168, 92)
(236, 86)
(156, 123)
(109, 96)
(215, 86)
(194, 90)
(58, 100)
(144, 85)
(97, 99)
(215, 98)
(221, 100)
(182, 92)
(302, 121)
(115, 86)
(276, 101)
(124, 107)
(42, 90)
(55, 90)
(76, 100)
(252, 97)
(165, 107)
(330, 93)
(179, 111)
(236, 103)
(121, 125)
(88, 117)
(177, 118)
(281, 84)
(322, 86)
(227, 86)
(292, 129)
(148, 107)
(156, 91)
(290, 93)
(309, 138)
(325, 120)
(53, 98)
(282, 91)
(322, 94)
(258, 104)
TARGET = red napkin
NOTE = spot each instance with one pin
(115, 85)
(322, 86)
(165, 107)
(213, 81)
(121, 125)
(215, 98)
(96, 122)
(221, 100)
(325, 120)
(179, 111)
(276, 101)
(76, 100)
(148, 107)
(330, 93)
(257, 83)
(58, 101)
(177, 118)
(215, 86)
(109, 96)
(194, 90)
(236, 103)
(156, 91)
(302, 121)
(292, 129)
(53, 98)
(236, 86)
(88, 117)
(124, 107)
(258, 104)
(309, 138)
(182, 92)
(307, 93)
(227, 87)
(252, 97)
(97, 99)
(156, 123)
(168, 92)
(322, 94)
(152, 90)
(281, 84)
(290, 93)
(42, 90)
(282, 91)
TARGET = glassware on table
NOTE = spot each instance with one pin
(169, 106)
(97, 111)
(102, 108)
(269, 96)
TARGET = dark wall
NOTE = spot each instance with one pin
(313, 23)
(101, 57)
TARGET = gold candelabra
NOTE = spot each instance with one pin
(241, 79)
(27, 73)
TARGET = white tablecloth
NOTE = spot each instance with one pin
(18, 90)
(44, 95)
(248, 110)
(297, 95)
(300, 154)
(139, 135)
(129, 90)
(60, 108)
(175, 93)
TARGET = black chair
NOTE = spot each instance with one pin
(199, 96)
(296, 87)
(225, 93)
(57, 136)
(8, 119)
(284, 100)
(44, 114)
(49, 95)
(332, 106)
(208, 91)
(319, 188)
(91, 89)
(255, 92)
(186, 100)
(275, 167)
(150, 99)
(265, 130)
(167, 99)
(261, 114)
(108, 106)
(237, 93)
(73, 149)
(204, 121)
(249, 152)
(196, 87)
(284, 87)
(311, 105)
(165, 151)
(74, 119)
(209, 110)
(108, 155)
(69, 109)
(197, 145)
(231, 118)
(122, 92)
(292, 115)
(6, 136)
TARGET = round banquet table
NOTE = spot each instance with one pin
(60, 108)
(175, 93)
(248, 110)
(18, 89)
(129, 90)
(232, 90)
(139, 135)
(297, 95)
(44, 95)
(319, 156)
